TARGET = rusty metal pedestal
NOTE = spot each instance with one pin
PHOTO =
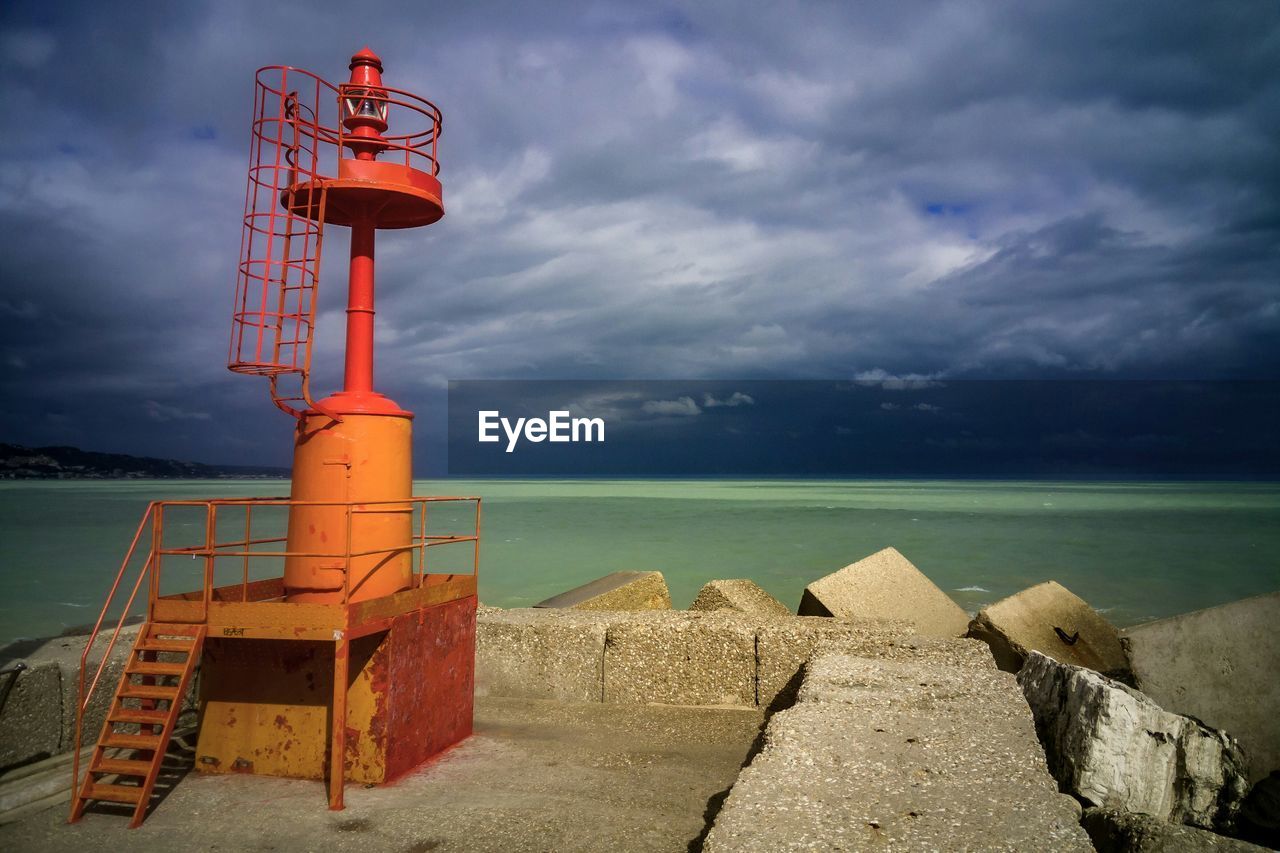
(397, 671)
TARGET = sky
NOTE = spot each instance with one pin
(703, 191)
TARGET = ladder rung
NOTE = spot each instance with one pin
(121, 766)
(155, 667)
(113, 793)
(121, 740)
(138, 715)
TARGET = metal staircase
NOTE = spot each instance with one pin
(141, 718)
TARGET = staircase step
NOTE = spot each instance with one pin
(138, 715)
(148, 691)
(113, 793)
(157, 639)
(120, 740)
(150, 644)
(155, 667)
(121, 766)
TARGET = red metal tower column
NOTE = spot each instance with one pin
(356, 445)
(358, 377)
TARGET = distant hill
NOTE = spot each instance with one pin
(72, 463)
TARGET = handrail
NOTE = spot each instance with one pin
(82, 698)
(248, 548)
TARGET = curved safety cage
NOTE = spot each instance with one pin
(299, 149)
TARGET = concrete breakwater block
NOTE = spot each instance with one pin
(665, 657)
(1116, 831)
(1220, 665)
(899, 755)
(31, 718)
(34, 787)
(885, 585)
(39, 717)
(1050, 619)
(1113, 747)
(741, 595)
(616, 591)
(681, 659)
(783, 647)
(540, 654)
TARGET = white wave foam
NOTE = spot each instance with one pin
(972, 589)
(73, 604)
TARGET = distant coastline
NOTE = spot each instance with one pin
(72, 463)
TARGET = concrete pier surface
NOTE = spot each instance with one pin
(537, 775)
(629, 731)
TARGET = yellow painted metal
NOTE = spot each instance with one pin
(266, 708)
(366, 735)
(360, 461)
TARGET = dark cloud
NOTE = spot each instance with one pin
(957, 189)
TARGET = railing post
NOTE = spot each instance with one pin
(422, 546)
(346, 560)
(475, 551)
(425, 540)
(155, 560)
(248, 537)
(210, 539)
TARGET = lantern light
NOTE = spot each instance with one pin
(367, 104)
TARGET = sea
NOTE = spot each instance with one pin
(1136, 551)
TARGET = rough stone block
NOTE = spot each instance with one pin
(783, 647)
(899, 755)
(65, 652)
(885, 586)
(1220, 665)
(1113, 747)
(31, 719)
(540, 654)
(1050, 619)
(1259, 818)
(617, 591)
(1115, 831)
(743, 596)
(681, 658)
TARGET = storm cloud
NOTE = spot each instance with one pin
(703, 190)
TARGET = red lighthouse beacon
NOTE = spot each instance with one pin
(334, 641)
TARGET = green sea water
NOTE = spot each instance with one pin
(1136, 551)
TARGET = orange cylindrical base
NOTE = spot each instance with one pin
(361, 460)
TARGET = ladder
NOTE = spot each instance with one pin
(136, 731)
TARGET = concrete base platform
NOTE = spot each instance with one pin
(537, 775)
